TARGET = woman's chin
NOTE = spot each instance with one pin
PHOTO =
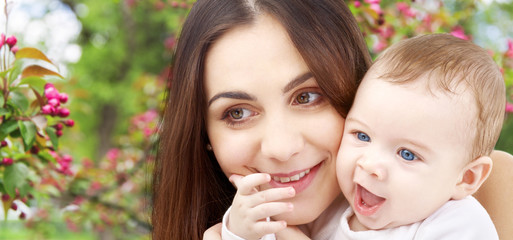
(297, 217)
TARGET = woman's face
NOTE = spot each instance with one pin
(267, 114)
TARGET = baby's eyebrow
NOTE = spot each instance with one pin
(232, 95)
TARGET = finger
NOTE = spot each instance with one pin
(270, 195)
(263, 227)
(248, 184)
(265, 210)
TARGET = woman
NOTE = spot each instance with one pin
(218, 120)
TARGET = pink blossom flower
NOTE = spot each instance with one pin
(2, 39)
(51, 93)
(54, 102)
(373, 1)
(47, 109)
(459, 33)
(376, 8)
(69, 122)
(357, 4)
(401, 6)
(14, 49)
(509, 53)
(380, 46)
(11, 41)
(63, 97)
(509, 107)
(113, 154)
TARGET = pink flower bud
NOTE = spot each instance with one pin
(184, 5)
(69, 122)
(2, 39)
(14, 206)
(49, 85)
(11, 41)
(47, 109)
(54, 102)
(58, 126)
(3, 143)
(63, 112)
(67, 158)
(357, 4)
(5, 197)
(14, 49)
(34, 150)
(63, 97)
(7, 161)
(459, 33)
(23, 215)
(58, 133)
(51, 93)
(509, 107)
(509, 53)
(174, 4)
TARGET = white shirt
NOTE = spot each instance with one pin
(461, 219)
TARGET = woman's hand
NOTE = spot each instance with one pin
(213, 233)
(251, 208)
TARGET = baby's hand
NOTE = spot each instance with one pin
(251, 207)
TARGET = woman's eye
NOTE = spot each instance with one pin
(239, 113)
(307, 97)
(407, 155)
(363, 137)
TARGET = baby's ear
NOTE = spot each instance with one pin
(472, 176)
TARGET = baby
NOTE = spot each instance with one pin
(416, 142)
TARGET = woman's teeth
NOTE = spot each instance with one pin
(291, 178)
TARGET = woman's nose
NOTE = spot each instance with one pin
(374, 165)
(281, 140)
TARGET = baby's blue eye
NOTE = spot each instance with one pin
(363, 137)
(407, 155)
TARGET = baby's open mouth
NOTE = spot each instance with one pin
(367, 203)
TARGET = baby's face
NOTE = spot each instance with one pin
(403, 151)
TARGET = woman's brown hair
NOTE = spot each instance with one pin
(190, 191)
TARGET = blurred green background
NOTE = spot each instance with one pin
(115, 56)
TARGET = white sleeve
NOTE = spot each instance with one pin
(228, 235)
(461, 219)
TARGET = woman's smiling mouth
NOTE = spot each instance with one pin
(299, 180)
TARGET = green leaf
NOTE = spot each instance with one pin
(28, 132)
(32, 53)
(36, 83)
(8, 127)
(46, 157)
(2, 101)
(15, 71)
(19, 100)
(3, 111)
(53, 136)
(38, 71)
(14, 177)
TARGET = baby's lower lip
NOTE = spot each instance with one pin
(367, 203)
(300, 184)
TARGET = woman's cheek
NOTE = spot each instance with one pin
(235, 153)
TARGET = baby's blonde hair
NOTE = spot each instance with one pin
(449, 62)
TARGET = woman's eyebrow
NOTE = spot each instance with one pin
(297, 81)
(232, 95)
